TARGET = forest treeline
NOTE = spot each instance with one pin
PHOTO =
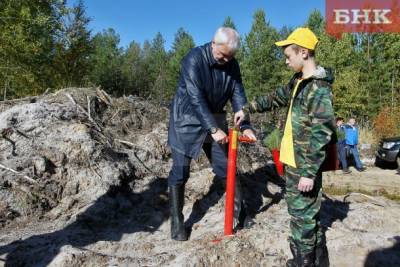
(46, 44)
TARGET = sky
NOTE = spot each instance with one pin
(140, 20)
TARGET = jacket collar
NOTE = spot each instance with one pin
(321, 73)
(210, 58)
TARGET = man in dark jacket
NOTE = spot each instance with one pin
(209, 78)
(341, 144)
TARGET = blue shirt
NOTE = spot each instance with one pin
(351, 135)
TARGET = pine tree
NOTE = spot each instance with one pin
(261, 63)
(183, 42)
(387, 69)
(316, 22)
(228, 22)
(157, 61)
(74, 49)
(106, 62)
(133, 70)
(28, 30)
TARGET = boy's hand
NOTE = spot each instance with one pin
(305, 184)
(250, 134)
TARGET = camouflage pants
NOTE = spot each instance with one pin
(304, 209)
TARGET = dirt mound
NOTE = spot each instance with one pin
(54, 154)
(83, 183)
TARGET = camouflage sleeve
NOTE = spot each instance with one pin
(279, 98)
(320, 112)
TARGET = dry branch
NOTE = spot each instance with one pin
(133, 145)
(19, 174)
(84, 111)
(103, 96)
(88, 107)
(373, 200)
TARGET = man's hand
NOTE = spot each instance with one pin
(239, 117)
(220, 137)
(250, 134)
(305, 184)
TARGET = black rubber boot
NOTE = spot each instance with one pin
(293, 249)
(300, 259)
(307, 259)
(321, 256)
(176, 202)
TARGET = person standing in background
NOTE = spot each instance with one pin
(341, 144)
(351, 130)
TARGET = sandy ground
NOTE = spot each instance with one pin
(99, 194)
(132, 228)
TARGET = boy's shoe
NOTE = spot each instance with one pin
(363, 169)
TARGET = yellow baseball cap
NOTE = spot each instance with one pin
(303, 37)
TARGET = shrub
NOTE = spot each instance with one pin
(366, 136)
(273, 140)
(387, 123)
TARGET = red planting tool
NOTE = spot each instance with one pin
(233, 140)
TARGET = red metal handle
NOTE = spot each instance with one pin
(230, 181)
(233, 140)
(245, 139)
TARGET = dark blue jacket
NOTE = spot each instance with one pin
(203, 90)
(351, 135)
(341, 135)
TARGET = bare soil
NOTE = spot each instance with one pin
(80, 190)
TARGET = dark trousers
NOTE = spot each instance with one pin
(356, 156)
(342, 155)
(216, 154)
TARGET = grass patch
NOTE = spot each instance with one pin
(366, 136)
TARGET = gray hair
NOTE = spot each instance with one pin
(228, 36)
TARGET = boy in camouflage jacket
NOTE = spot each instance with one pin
(308, 130)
